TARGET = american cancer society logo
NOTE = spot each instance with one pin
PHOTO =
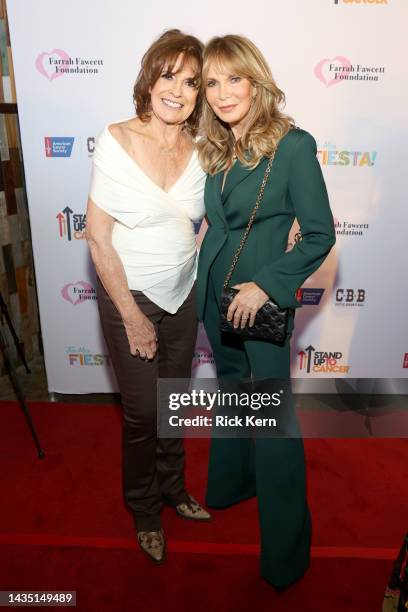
(58, 146)
(308, 296)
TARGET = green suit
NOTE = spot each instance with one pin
(272, 469)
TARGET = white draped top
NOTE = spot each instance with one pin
(154, 231)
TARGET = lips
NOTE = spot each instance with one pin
(172, 104)
(225, 109)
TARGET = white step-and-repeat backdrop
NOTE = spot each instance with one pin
(342, 65)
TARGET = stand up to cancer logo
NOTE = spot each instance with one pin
(71, 225)
(322, 362)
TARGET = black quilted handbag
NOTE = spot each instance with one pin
(271, 321)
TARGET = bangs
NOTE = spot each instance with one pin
(166, 62)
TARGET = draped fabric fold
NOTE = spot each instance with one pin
(154, 229)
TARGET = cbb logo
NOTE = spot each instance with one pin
(90, 145)
(350, 295)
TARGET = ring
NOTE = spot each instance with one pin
(244, 317)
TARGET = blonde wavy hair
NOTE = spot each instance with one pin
(265, 124)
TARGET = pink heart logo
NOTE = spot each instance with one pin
(73, 292)
(202, 355)
(41, 64)
(318, 70)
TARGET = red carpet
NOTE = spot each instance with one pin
(63, 524)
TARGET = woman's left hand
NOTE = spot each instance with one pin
(243, 308)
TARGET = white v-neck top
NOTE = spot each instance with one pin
(153, 232)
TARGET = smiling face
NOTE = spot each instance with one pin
(174, 94)
(230, 96)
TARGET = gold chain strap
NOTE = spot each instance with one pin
(250, 222)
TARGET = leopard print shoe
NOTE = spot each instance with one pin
(191, 509)
(153, 544)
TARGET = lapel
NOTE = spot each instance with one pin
(215, 191)
(236, 175)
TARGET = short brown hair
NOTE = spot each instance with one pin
(163, 54)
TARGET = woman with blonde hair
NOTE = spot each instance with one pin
(248, 142)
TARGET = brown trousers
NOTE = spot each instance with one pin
(153, 468)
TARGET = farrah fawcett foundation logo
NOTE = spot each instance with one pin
(339, 69)
(347, 228)
(57, 63)
(78, 293)
(202, 355)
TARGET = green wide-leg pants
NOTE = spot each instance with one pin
(273, 469)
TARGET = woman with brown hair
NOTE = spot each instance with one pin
(146, 193)
(249, 142)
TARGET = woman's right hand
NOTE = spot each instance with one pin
(142, 336)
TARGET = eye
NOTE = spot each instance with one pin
(167, 75)
(191, 83)
(235, 79)
(210, 83)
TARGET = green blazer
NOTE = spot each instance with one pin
(295, 188)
